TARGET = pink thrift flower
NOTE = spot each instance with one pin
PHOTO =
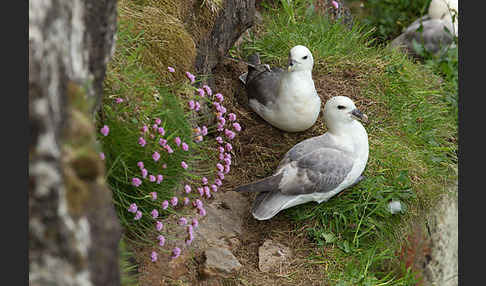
(187, 189)
(161, 239)
(176, 252)
(204, 180)
(201, 191)
(220, 127)
(185, 147)
(227, 161)
(191, 77)
(335, 4)
(232, 117)
(162, 142)
(141, 141)
(219, 140)
(154, 213)
(202, 211)
(174, 201)
(229, 147)
(153, 195)
(144, 173)
(169, 149)
(195, 223)
(226, 169)
(220, 167)
(220, 175)
(197, 106)
(170, 69)
(155, 127)
(136, 182)
(204, 130)
(219, 97)
(138, 215)
(182, 221)
(164, 166)
(207, 89)
(165, 204)
(159, 225)
(221, 149)
(230, 134)
(198, 203)
(201, 92)
(153, 256)
(184, 165)
(105, 130)
(151, 178)
(227, 156)
(218, 182)
(222, 120)
(156, 156)
(102, 156)
(160, 178)
(221, 156)
(237, 126)
(145, 129)
(186, 201)
(140, 165)
(133, 208)
(214, 188)
(158, 121)
(177, 140)
(161, 131)
(207, 192)
(119, 100)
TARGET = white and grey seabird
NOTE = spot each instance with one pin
(317, 168)
(287, 99)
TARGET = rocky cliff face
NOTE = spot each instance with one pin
(70, 43)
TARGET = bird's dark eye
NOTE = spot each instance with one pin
(341, 107)
(304, 58)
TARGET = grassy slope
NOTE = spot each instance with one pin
(412, 136)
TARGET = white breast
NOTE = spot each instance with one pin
(297, 107)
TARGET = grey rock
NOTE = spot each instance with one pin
(220, 262)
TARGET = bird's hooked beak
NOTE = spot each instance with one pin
(291, 65)
(357, 114)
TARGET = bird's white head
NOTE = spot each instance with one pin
(339, 111)
(300, 59)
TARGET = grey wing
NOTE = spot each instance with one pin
(263, 85)
(319, 171)
(434, 35)
(307, 146)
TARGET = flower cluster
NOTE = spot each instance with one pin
(160, 145)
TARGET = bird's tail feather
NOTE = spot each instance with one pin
(267, 205)
(264, 185)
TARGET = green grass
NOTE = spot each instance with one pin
(128, 270)
(412, 134)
